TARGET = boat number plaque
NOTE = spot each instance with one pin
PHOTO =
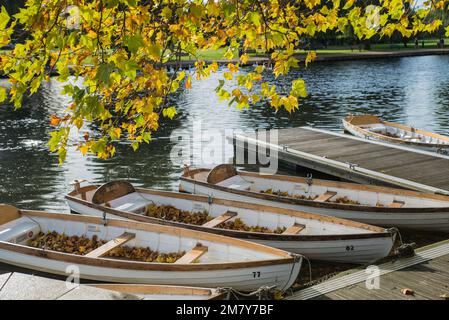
(256, 274)
(198, 207)
(93, 228)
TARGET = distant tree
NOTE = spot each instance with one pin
(122, 49)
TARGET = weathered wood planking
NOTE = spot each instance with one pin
(428, 280)
(404, 167)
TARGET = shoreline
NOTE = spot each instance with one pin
(330, 57)
(321, 57)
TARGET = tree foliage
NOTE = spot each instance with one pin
(122, 49)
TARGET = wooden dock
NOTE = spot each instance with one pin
(426, 275)
(356, 159)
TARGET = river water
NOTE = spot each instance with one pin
(408, 90)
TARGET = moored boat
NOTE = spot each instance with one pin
(381, 206)
(154, 292)
(119, 251)
(314, 236)
(372, 127)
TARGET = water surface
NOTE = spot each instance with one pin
(413, 90)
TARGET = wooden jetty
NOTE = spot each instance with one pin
(356, 159)
(426, 275)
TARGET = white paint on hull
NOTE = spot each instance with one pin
(240, 279)
(435, 221)
(358, 250)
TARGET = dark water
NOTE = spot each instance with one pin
(408, 90)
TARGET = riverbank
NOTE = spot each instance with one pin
(330, 56)
(344, 55)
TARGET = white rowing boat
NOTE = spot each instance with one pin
(315, 236)
(373, 205)
(205, 260)
(154, 292)
(372, 127)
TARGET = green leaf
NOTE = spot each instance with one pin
(104, 71)
(169, 112)
(254, 17)
(135, 145)
(146, 136)
(299, 88)
(3, 94)
(134, 43)
(4, 18)
(140, 121)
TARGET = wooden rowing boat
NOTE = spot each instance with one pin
(371, 127)
(154, 292)
(373, 205)
(206, 260)
(315, 236)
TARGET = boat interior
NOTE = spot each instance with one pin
(221, 211)
(27, 225)
(375, 125)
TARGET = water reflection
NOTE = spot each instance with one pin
(409, 90)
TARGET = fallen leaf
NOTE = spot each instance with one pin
(407, 292)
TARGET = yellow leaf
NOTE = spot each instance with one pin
(233, 68)
(311, 55)
(54, 120)
(189, 82)
(259, 69)
(227, 75)
(214, 66)
(116, 133)
(92, 34)
(78, 122)
(169, 112)
(84, 149)
(3, 94)
(348, 4)
(244, 58)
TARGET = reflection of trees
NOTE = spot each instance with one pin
(27, 170)
(150, 165)
(335, 89)
(442, 109)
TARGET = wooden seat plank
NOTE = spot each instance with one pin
(192, 255)
(110, 245)
(220, 219)
(326, 196)
(294, 229)
(8, 213)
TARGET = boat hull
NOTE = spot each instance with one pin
(362, 133)
(239, 279)
(426, 221)
(226, 262)
(347, 249)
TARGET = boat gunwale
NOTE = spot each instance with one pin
(399, 140)
(284, 257)
(375, 231)
(333, 184)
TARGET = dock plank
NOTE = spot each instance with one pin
(409, 168)
(428, 278)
